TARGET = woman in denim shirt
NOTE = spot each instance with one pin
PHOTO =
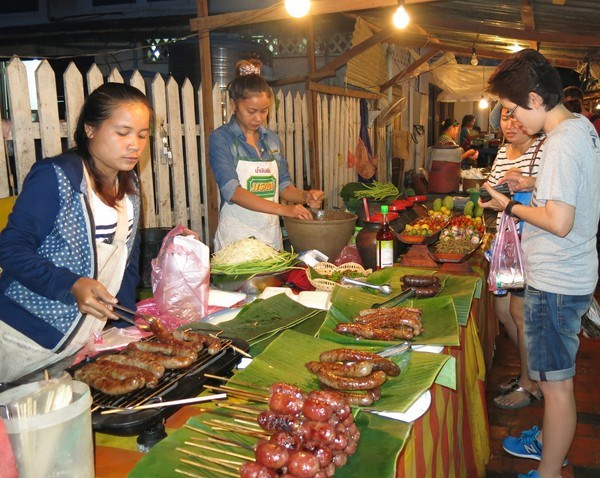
(249, 167)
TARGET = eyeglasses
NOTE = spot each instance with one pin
(510, 114)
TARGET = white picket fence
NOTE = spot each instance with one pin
(173, 185)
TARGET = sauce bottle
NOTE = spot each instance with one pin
(384, 242)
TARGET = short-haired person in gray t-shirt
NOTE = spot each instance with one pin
(559, 244)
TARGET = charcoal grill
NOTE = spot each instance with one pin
(174, 385)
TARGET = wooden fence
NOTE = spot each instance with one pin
(173, 170)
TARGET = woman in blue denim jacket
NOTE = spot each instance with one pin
(70, 246)
(250, 168)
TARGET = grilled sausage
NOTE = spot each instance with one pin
(169, 362)
(353, 355)
(411, 280)
(151, 366)
(165, 349)
(368, 332)
(106, 381)
(198, 341)
(376, 379)
(362, 399)
(115, 362)
(356, 369)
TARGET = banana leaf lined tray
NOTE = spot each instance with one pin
(260, 321)
(283, 361)
(440, 325)
(380, 444)
(462, 289)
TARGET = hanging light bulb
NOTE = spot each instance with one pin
(483, 103)
(297, 8)
(400, 18)
(474, 59)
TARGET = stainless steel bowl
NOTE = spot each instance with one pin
(248, 284)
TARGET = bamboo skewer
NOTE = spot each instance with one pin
(239, 408)
(224, 452)
(220, 442)
(206, 467)
(220, 439)
(219, 424)
(239, 393)
(235, 465)
(187, 473)
(183, 401)
(231, 381)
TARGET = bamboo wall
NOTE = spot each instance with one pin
(173, 170)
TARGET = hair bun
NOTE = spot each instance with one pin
(248, 67)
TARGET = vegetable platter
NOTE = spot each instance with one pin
(424, 230)
(250, 256)
(459, 240)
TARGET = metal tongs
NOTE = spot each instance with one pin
(150, 319)
(397, 299)
(385, 289)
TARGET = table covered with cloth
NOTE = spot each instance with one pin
(450, 439)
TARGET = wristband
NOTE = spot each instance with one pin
(509, 207)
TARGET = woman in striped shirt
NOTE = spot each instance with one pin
(521, 152)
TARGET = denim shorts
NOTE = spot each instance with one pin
(551, 324)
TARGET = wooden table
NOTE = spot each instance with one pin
(450, 439)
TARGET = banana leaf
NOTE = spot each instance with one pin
(461, 288)
(380, 437)
(262, 319)
(283, 361)
(440, 326)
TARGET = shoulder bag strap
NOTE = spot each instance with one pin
(535, 153)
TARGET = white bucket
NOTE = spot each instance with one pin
(55, 444)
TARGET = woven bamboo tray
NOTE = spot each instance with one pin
(327, 268)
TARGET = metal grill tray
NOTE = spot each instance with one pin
(174, 385)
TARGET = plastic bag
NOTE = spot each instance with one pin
(506, 269)
(181, 275)
(590, 322)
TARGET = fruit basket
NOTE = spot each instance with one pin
(325, 275)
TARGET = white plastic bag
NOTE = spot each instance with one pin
(181, 275)
(506, 269)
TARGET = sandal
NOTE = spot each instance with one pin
(527, 398)
(507, 386)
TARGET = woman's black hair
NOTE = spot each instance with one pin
(248, 80)
(448, 123)
(523, 72)
(97, 108)
(466, 120)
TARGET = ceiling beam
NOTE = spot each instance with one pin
(425, 57)
(511, 33)
(277, 12)
(528, 19)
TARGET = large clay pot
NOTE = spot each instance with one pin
(329, 232)
(366, 243)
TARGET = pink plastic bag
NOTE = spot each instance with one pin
(181, 275)
(506, 269)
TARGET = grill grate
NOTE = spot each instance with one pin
(173, 385)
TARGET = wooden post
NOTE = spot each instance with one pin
(313, 126)
(212, 205)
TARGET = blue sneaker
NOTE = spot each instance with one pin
(526, 445)
(531, 474)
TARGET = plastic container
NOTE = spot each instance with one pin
(54, 444)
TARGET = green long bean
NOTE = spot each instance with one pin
(378, 191)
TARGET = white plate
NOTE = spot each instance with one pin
(414, 412)
(223, 315)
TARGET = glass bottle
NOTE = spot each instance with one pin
(385, 242)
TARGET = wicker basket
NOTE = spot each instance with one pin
(327, 268)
